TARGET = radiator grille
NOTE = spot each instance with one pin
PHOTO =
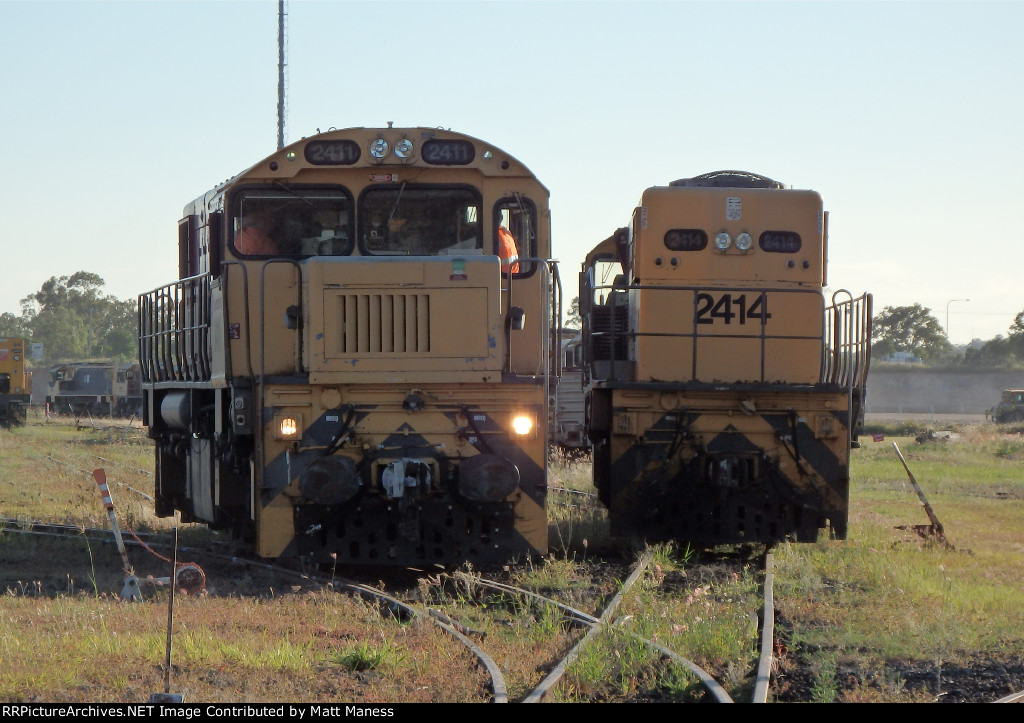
(384, 323)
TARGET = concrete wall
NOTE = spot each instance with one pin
(900, 389)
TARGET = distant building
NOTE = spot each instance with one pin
(902, 357)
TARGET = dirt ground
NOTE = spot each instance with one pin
(925, 417)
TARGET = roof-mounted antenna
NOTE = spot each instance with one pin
(281, 48)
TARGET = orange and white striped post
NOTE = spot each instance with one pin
(100, 476)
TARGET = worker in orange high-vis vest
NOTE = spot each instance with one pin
(508, 252)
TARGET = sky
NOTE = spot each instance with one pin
(907, 118)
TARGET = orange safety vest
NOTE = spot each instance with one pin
(251, 240)
(509, 253)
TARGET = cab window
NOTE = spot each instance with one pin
(292, 222)
(410, 220)
(517, 215)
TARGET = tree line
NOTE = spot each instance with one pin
(915, 330)
(74, 320)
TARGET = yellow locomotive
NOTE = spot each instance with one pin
(724, 388)
(355, 361)
(15, 390)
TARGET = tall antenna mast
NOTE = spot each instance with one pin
(281, 48)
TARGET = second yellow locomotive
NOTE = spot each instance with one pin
(724, 387)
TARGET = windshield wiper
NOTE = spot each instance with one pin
(391, 214)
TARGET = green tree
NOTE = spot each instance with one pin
(1006, 352)
(911, 329)
(1001, 352)
(63, 334)
(11, 325)
(1016, 330)
(115, 327)
(73, 319)
(121, 344)
(572, 316)
(78, 291)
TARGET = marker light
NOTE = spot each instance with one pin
(744, 242)
(522, 425)
(287, 427)
(722, 241)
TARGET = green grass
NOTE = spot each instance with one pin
(855, 610)
(46, 472)
(384, 655)
(889, 593)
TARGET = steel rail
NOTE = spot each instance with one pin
(764, 666)
(498, 686)
(541, 691)
(708, 681)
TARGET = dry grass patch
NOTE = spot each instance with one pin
(224, 650)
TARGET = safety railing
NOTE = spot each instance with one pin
(174, 331)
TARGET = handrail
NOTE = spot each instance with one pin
(174, 331)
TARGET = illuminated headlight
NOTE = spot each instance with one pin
(287, 426)
(744, 242)
(522, 425)
(722, 241)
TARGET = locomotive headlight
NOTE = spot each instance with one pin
(522, 425)
(287, 426)
(744, 242)
(404, 148)
(379, 148)
(722, 241)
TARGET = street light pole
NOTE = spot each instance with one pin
(947, 313)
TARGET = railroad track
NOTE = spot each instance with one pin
(543, 690)
(588, 626)
(544, 680)
(610, 619)
(586, 622)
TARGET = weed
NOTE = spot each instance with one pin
(678, 684)
(367, 656)
(92, 565)
(825, 687)
(1008, 450)
(548, 621)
